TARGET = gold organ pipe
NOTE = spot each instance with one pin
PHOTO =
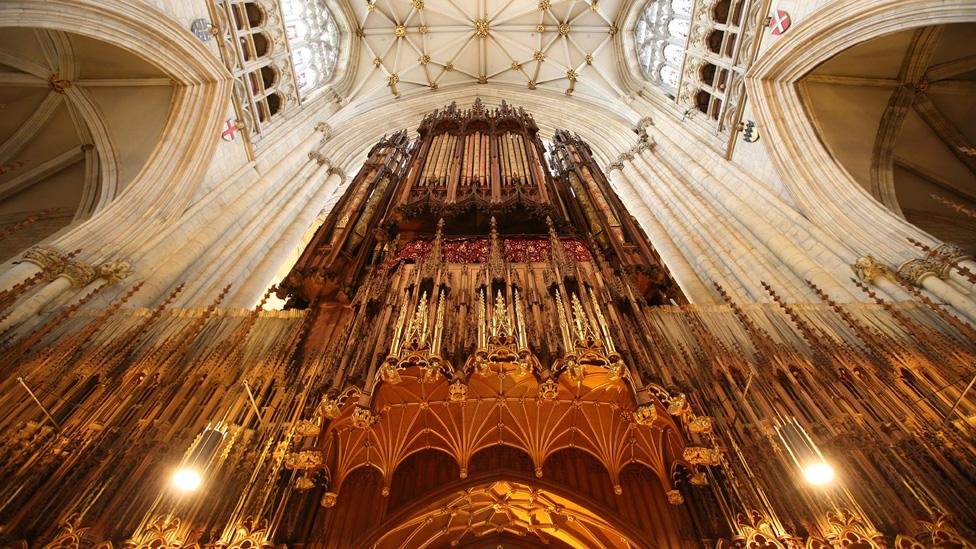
(38, 402)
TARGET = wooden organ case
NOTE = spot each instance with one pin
(479, 320)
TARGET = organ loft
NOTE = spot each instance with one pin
(482, 348)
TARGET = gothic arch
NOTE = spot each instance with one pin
(201, 90)
(825, 191)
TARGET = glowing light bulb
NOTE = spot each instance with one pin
(819, 474)
(186, 480)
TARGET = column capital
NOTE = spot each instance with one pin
(918, 269)
(46, 258)
(79, 273)
(950, 254)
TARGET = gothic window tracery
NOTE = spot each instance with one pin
(697, 52)
(313, 38)
(661, 37)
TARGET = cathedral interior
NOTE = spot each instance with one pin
(615, 274)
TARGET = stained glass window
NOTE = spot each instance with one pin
(314, 41)
(661, 36)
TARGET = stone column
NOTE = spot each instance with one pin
(788, 252)
(261, 277)
(690, 247)
(924, 273)
(750, 262)
(75, 274)
(682, 271)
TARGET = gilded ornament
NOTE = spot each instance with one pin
(400, 31)
(540, 29)
(531, 84)
(516, 65)
(572, 75)
(418, 4)
(612, 31)
(449, 67)
(458, 391)
(58, 84)
(867, 269)
(700, 425)
(304, 483)
(539, 56)
(377, 62)
(698, 455)
(699, 479)
(588, 59)
(80, 274)
(645, 414)
(390, 372)
(304, 460)
(548, 389)
(679, 405)
(563, 29)
(483, 79)
(329, 499)
(675, 497)
(329, 408)
(424, 29)
(307, 428)
(594, 5)
(544, 5)
(432, 85)
(392, 79)
(370, 6)
(481, 28)
(363, 418)
(424, 59)
(46, 258)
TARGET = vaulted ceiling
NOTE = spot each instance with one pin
(413, 46)
(899, 113)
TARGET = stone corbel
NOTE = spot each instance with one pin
(338, 171)
(868, 269)
(325, 129)
(318, 157)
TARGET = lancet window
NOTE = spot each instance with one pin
(313, 39)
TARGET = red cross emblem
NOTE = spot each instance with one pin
(779, 22)
(229, 130)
